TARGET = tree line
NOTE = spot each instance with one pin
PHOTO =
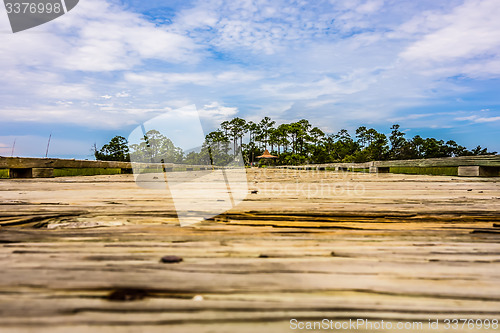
(293, 143)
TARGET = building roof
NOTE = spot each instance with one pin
(266, 154)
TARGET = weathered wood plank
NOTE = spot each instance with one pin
(83, 253)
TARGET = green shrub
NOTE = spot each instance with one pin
(437, 171)
(68, 172)
(360, 169)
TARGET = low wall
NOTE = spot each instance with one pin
(466, 166)
(26, 167)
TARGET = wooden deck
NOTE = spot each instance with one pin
(81, 254)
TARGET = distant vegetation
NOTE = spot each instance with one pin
(295, 143)
(115, 150)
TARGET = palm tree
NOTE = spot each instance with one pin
(362, 135)
(297, 142)
(282, 133)
(225, 127)
(265, 125)
(316, 135)
(216, 137)
(273, 138)
(237, 129)
(252, 129)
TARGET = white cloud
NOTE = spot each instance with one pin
(469, 33)
(275, 110)
(215, 109)
(478, 119)
(96, 36)
(370, 6)
(486, 119)
(334, 62)
(107, 38)
(261, 27)
(350, 83)
(122, 94)
(322, 102)
(67, 103)
(200, 16)
(68, 91)
(47, 68)
(198, 78)
(95, 117)
(466, 118)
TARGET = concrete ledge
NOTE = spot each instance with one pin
(27, 162)
(374, 169)
(485, 160)
(478, 171)
(42, 172)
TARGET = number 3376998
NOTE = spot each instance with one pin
(33, 8)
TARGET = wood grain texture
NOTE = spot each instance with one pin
(84, 254)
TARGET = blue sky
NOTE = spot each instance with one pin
(106, 66)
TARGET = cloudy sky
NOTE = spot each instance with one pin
(107, 66)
